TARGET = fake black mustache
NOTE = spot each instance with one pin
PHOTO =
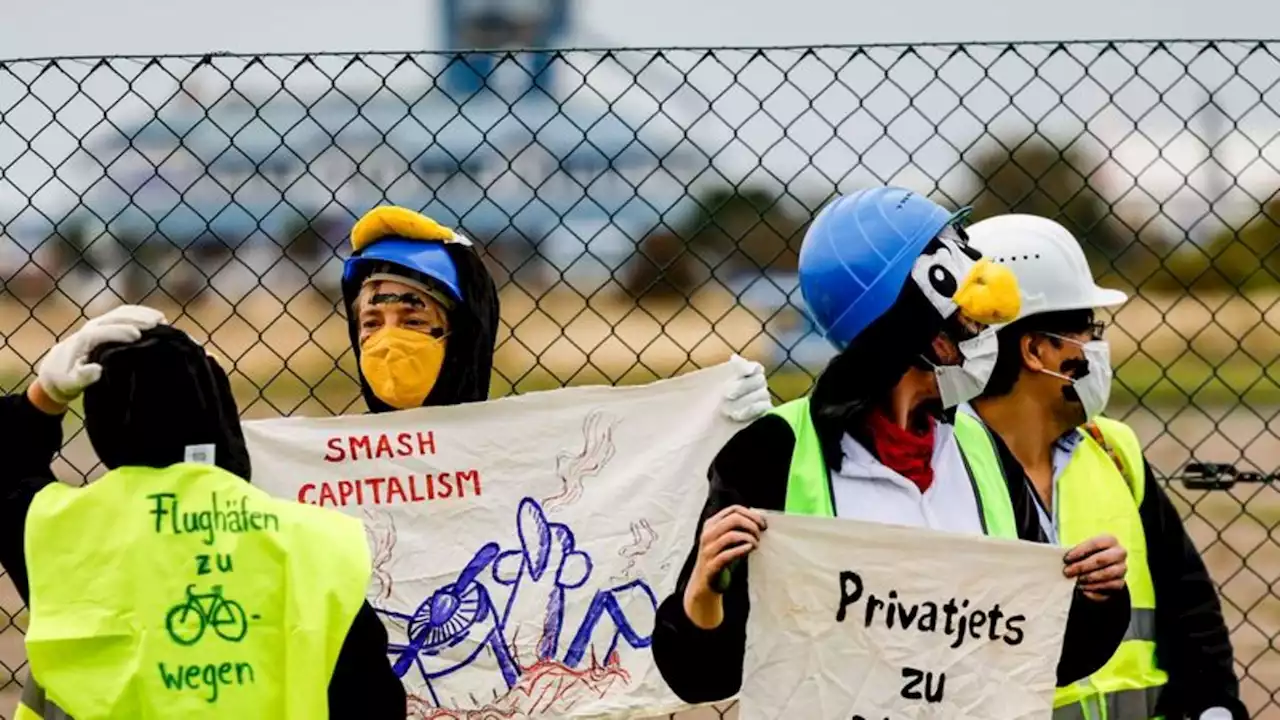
(1074, 368)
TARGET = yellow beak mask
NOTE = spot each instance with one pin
(955, 277)
(402, 366)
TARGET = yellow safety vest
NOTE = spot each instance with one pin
(1094, 498)
(34, 705)
(186, 592)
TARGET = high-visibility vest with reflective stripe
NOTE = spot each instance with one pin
(809, 482)
(1096, 498)
(186, 592)
(33, 705)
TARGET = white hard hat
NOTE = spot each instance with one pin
(1052, 272)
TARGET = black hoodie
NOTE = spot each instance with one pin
(468, 361)
(156, 397)
(752, 470)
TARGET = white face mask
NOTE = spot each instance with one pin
(1094, 389)
(961, 383)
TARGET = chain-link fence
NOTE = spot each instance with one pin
(642, 213)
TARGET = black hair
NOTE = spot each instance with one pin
(861, 376)
(1009, 361)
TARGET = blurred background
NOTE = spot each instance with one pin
(642, 209)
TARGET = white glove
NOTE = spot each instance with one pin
(747, 397)
(65, 371)
(1216, 713)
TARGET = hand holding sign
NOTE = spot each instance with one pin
(1098, 565)
(726, 536)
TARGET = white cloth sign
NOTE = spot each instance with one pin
(863, 620)
(521, 545)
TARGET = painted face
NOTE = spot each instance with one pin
(1081, 360)
(389, 304)
(403, 331)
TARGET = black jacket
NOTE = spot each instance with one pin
(751, 470)
(1193, 644)
(362, 685)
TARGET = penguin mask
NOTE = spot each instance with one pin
(953, 276)
(970, 293)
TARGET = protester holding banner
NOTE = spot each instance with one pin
(423, 316)
(889, 277)
(1051, 382)
(171, 587)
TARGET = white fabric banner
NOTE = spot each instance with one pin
(521, 545)
(873, 622)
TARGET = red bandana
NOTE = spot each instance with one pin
(903, 451)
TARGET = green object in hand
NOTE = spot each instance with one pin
(723, 578)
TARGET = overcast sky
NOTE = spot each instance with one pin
(45, 28)
(39, 28)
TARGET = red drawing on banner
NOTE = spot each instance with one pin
(643, 536)
(573, 468)
(546, 689)
(380, 529)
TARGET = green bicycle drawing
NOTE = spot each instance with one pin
(187, 621)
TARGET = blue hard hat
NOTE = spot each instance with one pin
(858, 254)
(429, 258)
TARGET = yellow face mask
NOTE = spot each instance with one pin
(401, 366)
